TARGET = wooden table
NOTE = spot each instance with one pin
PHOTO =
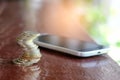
(53, 65)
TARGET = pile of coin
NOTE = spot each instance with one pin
(31, 53)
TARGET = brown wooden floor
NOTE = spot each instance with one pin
(53, 65)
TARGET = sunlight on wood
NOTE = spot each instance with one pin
(115, 54)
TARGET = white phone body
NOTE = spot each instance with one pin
(55, 43)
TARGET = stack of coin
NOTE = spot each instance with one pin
(31, 53)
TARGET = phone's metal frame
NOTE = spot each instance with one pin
(70, 51)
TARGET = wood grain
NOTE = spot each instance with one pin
(53, 65)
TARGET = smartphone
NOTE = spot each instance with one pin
(70, 46)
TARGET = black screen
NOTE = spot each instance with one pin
(69, 43)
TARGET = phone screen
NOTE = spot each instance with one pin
(69, 43)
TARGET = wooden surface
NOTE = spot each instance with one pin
(53, 65)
